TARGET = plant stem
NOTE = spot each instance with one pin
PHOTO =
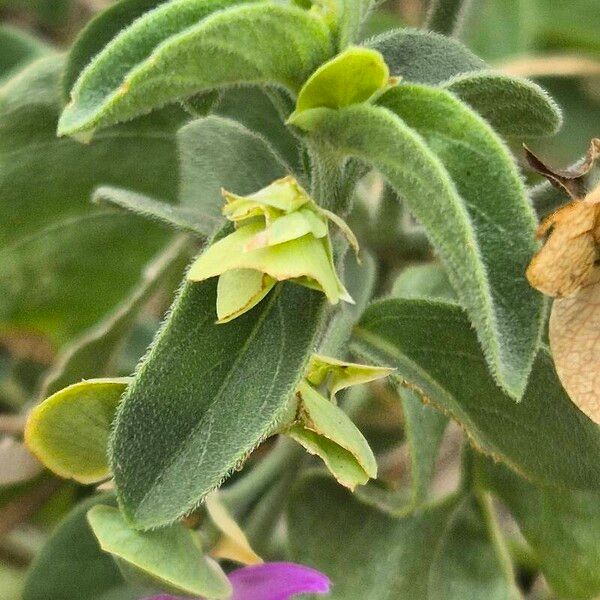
(447, 16)
(242, 494)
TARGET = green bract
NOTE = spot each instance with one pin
(281, 234)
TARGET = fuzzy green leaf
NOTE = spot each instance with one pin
(92, 353)
(178, 217)
(18, 48)
(424, 57)
(71, 565)
(131, 77)
(373, 556)
(508, 314)
(423, 281)
(481, 225)
(350, 18)
(561, 527)
(430, 343)
(206, 395)
(172, 556)
(45, 288)
(98, 32)
(513, 107)
(69, 431)
(219, 153)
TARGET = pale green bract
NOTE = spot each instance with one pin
(282, 235)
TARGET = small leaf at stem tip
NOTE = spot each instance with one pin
(341, 375)
(281, 234)
(233, 545)
(352, 77)
(69, 431)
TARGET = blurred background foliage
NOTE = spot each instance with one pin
(555, 42)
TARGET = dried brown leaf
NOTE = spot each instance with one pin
(568, 260)
(575, 343)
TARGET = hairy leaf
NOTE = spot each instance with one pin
(45, 288)
(561, 527)
(481, 225)
(178, 217)
(18, 48)
(92, 353)
(133, 74)
(69, 431)
(350, 19)
(489, 184)
(513, 107)
(434, 348)
(206, 395)
(219, 153)
(423, 281)
(447, 16)
(172, 555)
(140, 155)
(424, 57)
(98, 32)
(71, 565)
(373, 556)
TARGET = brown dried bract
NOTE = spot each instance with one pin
(575, 342)
(568, 260)
(571, 180)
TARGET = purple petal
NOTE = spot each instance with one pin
(276, 581)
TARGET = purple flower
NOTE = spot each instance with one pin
(271, 581)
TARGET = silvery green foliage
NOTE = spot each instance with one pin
(178, 99)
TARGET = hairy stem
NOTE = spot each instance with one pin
(447, 16)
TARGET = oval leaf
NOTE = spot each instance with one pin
(477, 235)
(172, 555)
(513, 107)
(128, 78)
(431, 342)
(507, 314)
(424, 57)
(206, 395)
(69, 431)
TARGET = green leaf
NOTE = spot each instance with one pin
(134, 75)
(178, 217)
(508, 314)
(434, 348)
(350, 19)
(219, 153)
(172, 556)
(69, 431)
(423, 281)
(18, 48)
(482, 227)
(45, 288)
(254, 108)
(141, 155)
(424, 57)
(424, 426)
(512, 106)
(325, 430)
(373, 556)
(206, 395)
(561, 527)
(91, 354)
(98, 32)
(71, 565)
(351, 77)
(447, 16)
